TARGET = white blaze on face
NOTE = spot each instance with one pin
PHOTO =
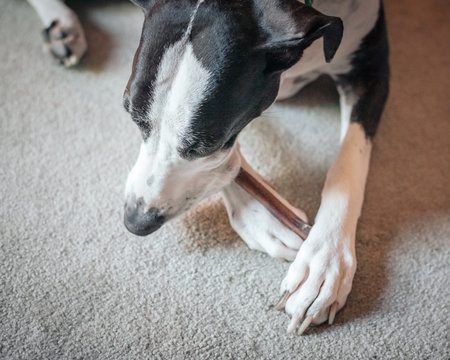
(161, 176)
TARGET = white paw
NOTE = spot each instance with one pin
(65, 40)
(259, 228)
(319, 280)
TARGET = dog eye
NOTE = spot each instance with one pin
(193, 153)
(190, 154)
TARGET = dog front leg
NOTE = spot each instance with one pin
(256, 225)
(63, 32)
(320, 278)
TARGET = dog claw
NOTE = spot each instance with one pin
(282, 302)
(305, 324)
(332, 313)
(294, 323)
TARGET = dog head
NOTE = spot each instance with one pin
(203, 70)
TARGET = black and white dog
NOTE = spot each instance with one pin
(203, 70)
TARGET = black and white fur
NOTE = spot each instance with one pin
(203, 70)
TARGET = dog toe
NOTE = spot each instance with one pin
(66, 44)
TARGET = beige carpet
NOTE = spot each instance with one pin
(75, 285)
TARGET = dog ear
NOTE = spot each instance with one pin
(305, 25)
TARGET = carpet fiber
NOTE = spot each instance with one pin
(75, 285)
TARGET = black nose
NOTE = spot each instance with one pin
(142, 221)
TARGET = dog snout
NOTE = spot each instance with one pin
(141, 220)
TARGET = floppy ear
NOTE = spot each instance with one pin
(305, 25)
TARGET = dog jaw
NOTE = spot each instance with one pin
(172, 184)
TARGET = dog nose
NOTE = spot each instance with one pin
(140, 220)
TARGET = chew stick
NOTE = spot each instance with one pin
(255, 185)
